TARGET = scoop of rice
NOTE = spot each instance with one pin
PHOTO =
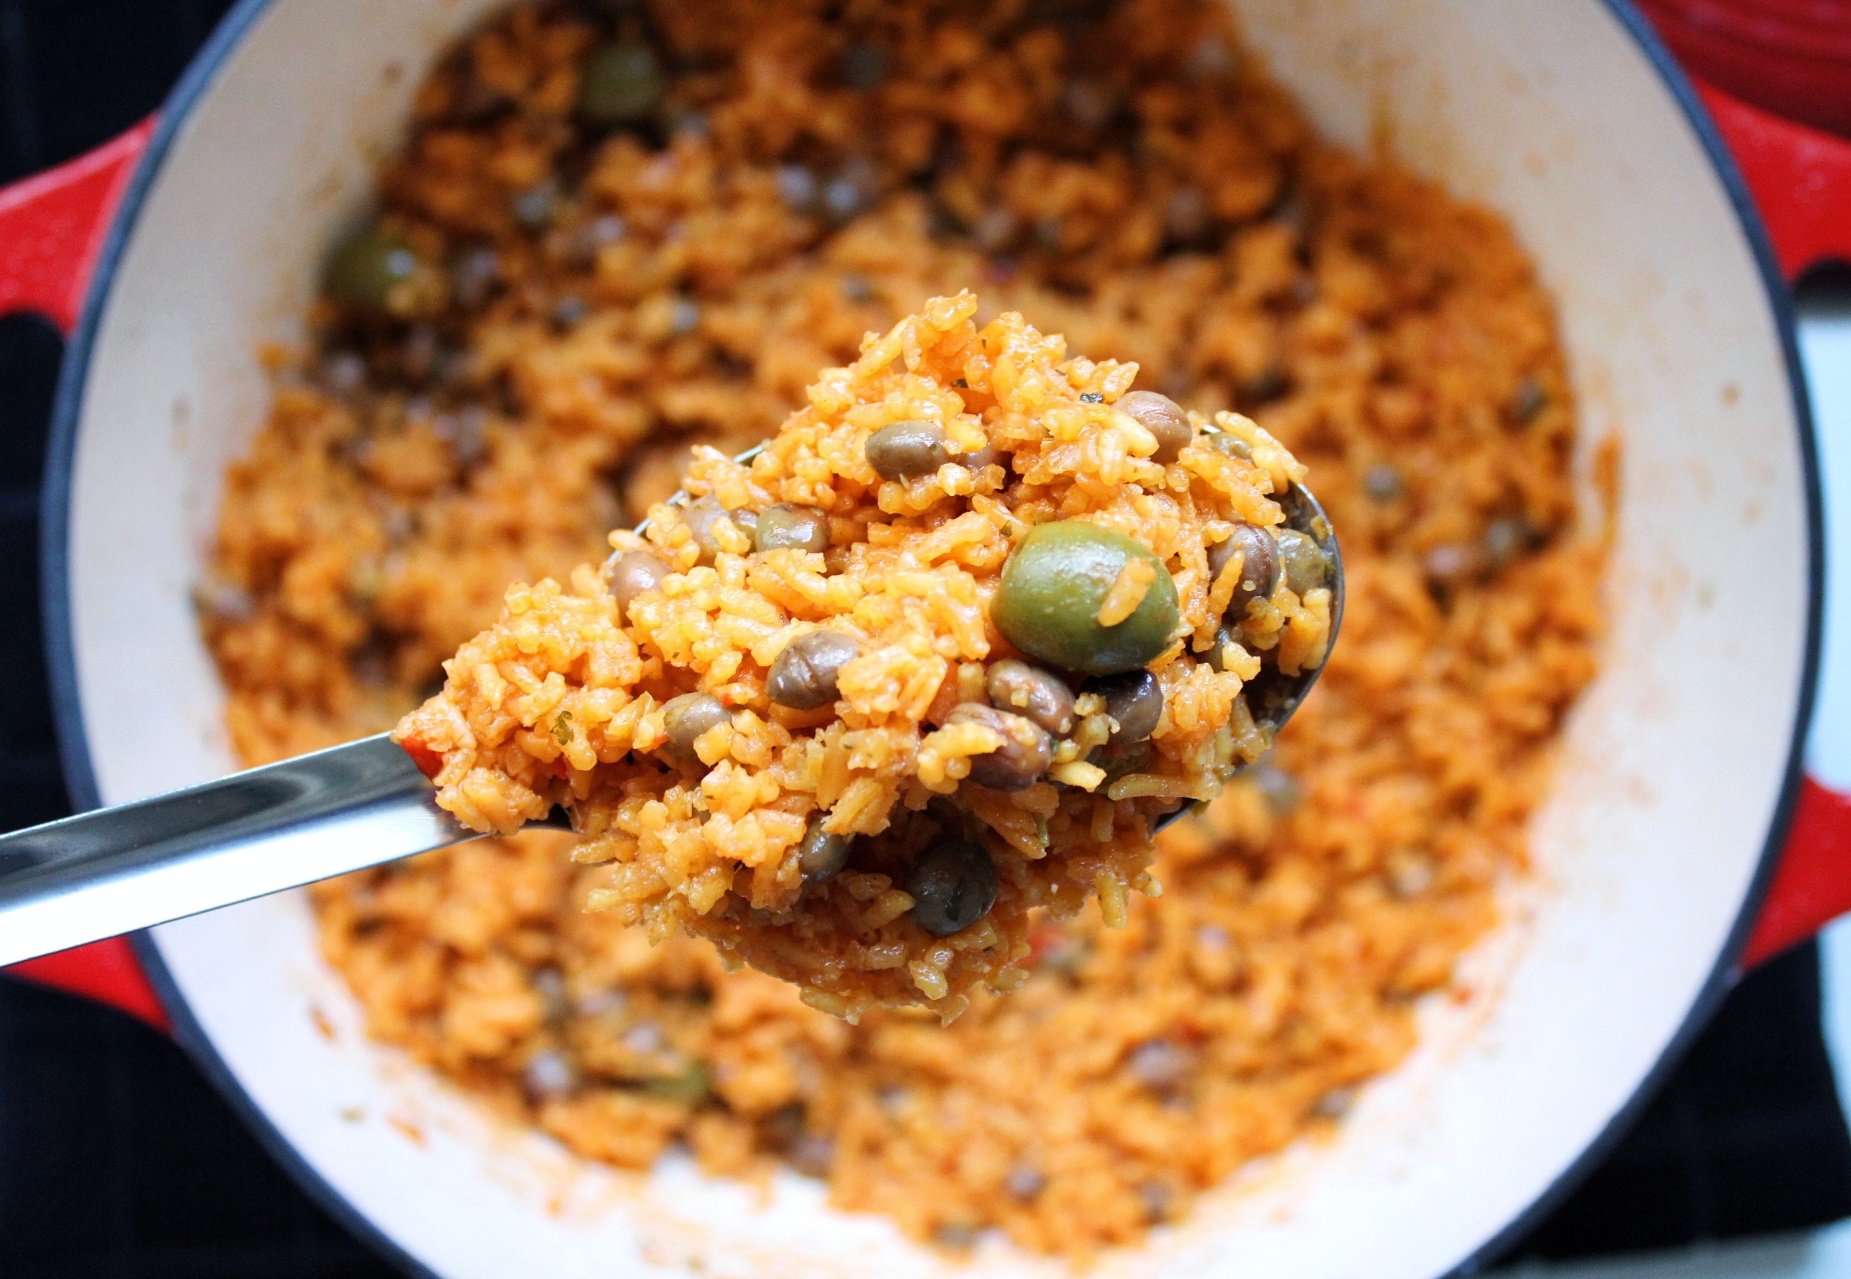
(565, 700)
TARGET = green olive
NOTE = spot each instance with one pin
(1053, 585)
(378, 272)
(689, 1086)
(622, 84)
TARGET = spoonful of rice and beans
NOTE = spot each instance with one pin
(945, 651)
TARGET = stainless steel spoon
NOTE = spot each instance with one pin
(344, 809)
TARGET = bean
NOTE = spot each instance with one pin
(803, 676)
(1134, 700)
(1158, 1199)
(1506, 538)
(703, 516)
(630, 573)
(534, 207)
(1217, 655)
(1306, 565)
(1530, 399)
(1024, 756)
(812, 1154)
(952, 886)
(1229, 443)
(819, 854)
(1028, 690)
(799, 189)
(1382, 482)
(1025, 1182)
(784, 526)
(1160, 1064)
(977, 459)
(550, 1074)
(1163, 418)
(863, 67)
(903, 450)
(1334, 1104)
(1123, 759)
(1259, 565)
(687, 717)
(568, 312)
(474, 276)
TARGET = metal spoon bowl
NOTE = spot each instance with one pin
(339, 810)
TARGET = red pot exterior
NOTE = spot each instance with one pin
(1790, 57)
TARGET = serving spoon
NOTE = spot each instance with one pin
(131, 866)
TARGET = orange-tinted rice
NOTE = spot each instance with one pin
(1128, 177)
(568, 699)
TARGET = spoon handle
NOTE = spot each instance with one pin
(119, 869)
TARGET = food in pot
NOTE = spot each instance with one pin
(771, 211)
(803, 651)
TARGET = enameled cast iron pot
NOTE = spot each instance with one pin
(172, 253)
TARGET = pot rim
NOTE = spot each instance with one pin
(74, 754)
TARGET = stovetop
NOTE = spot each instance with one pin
(118, 1160)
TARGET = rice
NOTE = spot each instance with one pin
(575, 698)
(1395, 340)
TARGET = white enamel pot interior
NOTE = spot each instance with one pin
(1677, 761)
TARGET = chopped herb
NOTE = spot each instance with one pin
(1091, 397)
(562, 728)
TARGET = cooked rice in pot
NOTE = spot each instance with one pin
(614, 293)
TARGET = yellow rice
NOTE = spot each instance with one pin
(1132, 179)
(565, 700)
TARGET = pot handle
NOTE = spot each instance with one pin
(51, 231)
(1800, 178)
(52, 228)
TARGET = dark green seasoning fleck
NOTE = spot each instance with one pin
(562, 728)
